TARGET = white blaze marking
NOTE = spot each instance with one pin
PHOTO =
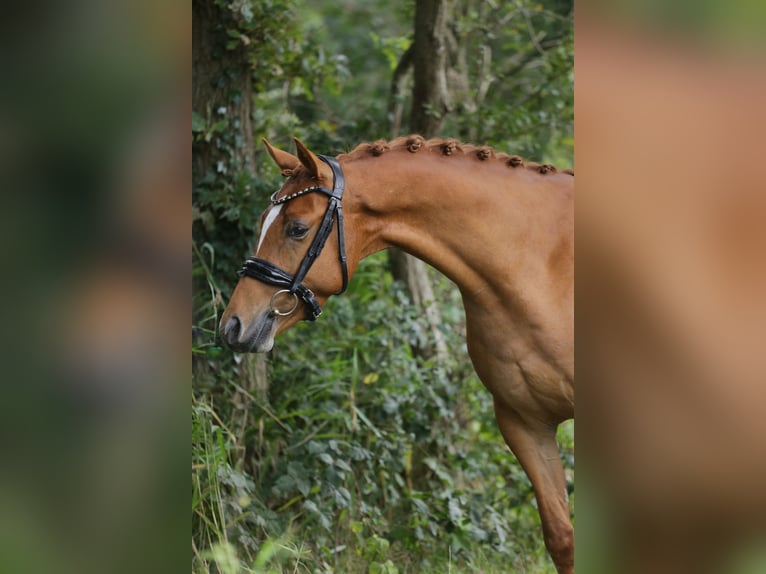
(270, 217)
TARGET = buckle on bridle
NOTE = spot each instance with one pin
(274, 311)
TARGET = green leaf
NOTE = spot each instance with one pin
(198, 123)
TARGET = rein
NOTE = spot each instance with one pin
(270, 274)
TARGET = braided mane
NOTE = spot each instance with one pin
(448, 147)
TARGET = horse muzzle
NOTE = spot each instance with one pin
(255, 336)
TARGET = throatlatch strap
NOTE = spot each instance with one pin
(338, 187)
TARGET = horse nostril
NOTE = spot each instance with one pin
(231, 330)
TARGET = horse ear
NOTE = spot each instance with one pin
(310, 161)
(286, 161)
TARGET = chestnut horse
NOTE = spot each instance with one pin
(499, 228)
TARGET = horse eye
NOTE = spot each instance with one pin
(297, 230)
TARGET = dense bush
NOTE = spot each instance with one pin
(359, 453)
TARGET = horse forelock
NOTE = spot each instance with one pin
(414, 144)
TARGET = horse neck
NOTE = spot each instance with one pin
(480, 223)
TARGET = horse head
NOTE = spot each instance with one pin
(300, 258)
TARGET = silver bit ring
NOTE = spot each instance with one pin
(277, 312)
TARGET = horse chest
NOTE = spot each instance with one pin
(519, 375)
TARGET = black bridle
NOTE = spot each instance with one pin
(269, 273)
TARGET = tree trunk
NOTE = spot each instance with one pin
(222, 89)
(430, 95)
(430, 104)
(414, 274)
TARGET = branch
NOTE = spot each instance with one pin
(486, 75)
(398, 85)
(518, 64)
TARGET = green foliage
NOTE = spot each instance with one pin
(511, 73)
(358, 457)
(370, 455)
(521, 56)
